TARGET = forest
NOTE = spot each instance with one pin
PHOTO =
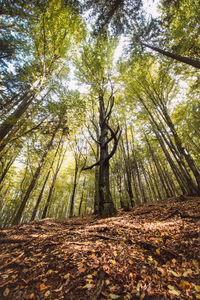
(100, 119)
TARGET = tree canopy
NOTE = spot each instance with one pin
(86, 129)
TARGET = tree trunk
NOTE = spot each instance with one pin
(157, 167)
(106, 205)
(33, 182)
(81, 200)
(8, 124)
(49, 198)
(44, 184)
(59, 164)
(128, 169)
(71, 211)
(40, 197)
(189, 61)
(6, 169)
(182, 150)
(189, 184)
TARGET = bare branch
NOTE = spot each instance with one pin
(116, 140)
(92, 166)
(112, 134)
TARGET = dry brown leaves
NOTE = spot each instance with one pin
(151, 252)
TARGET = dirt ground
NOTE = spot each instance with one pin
(150, 252)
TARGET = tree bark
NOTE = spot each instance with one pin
(187, 60)
(33, 182)
(106, 205)
(72, 200)
(11, 120)
(81, 200)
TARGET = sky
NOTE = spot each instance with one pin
(151, 7)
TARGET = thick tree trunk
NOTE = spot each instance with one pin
(96, 193)
(106, 205)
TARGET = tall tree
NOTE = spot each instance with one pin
(95, 69)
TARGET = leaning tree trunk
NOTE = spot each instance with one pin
(40, 196)
(6, 169)
(182, 150)
(58, 166)
(8, 124)
(45, 181)
(33, 182)
(187, 60)
(49, 198)
(190, 185)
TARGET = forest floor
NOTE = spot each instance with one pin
(150, 252)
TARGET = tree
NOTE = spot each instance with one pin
(95, 69)
(154, 93)
(53, 29)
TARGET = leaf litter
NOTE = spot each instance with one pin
(149, 252)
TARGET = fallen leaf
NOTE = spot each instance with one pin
(89, 286)
(47, 293)
(184, 285)
(158, 251)
(197, 288)
(113, 261)
(60, 289)
(81, 270)
(162, 271)
(172, 290)
(6, 292)
(187, 273)
(173, 260)
(164, 233)
(43, 287)
(67, 276)
(130, 261)
(142, 296)
(174, 273)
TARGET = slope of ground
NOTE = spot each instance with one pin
(150, 252)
